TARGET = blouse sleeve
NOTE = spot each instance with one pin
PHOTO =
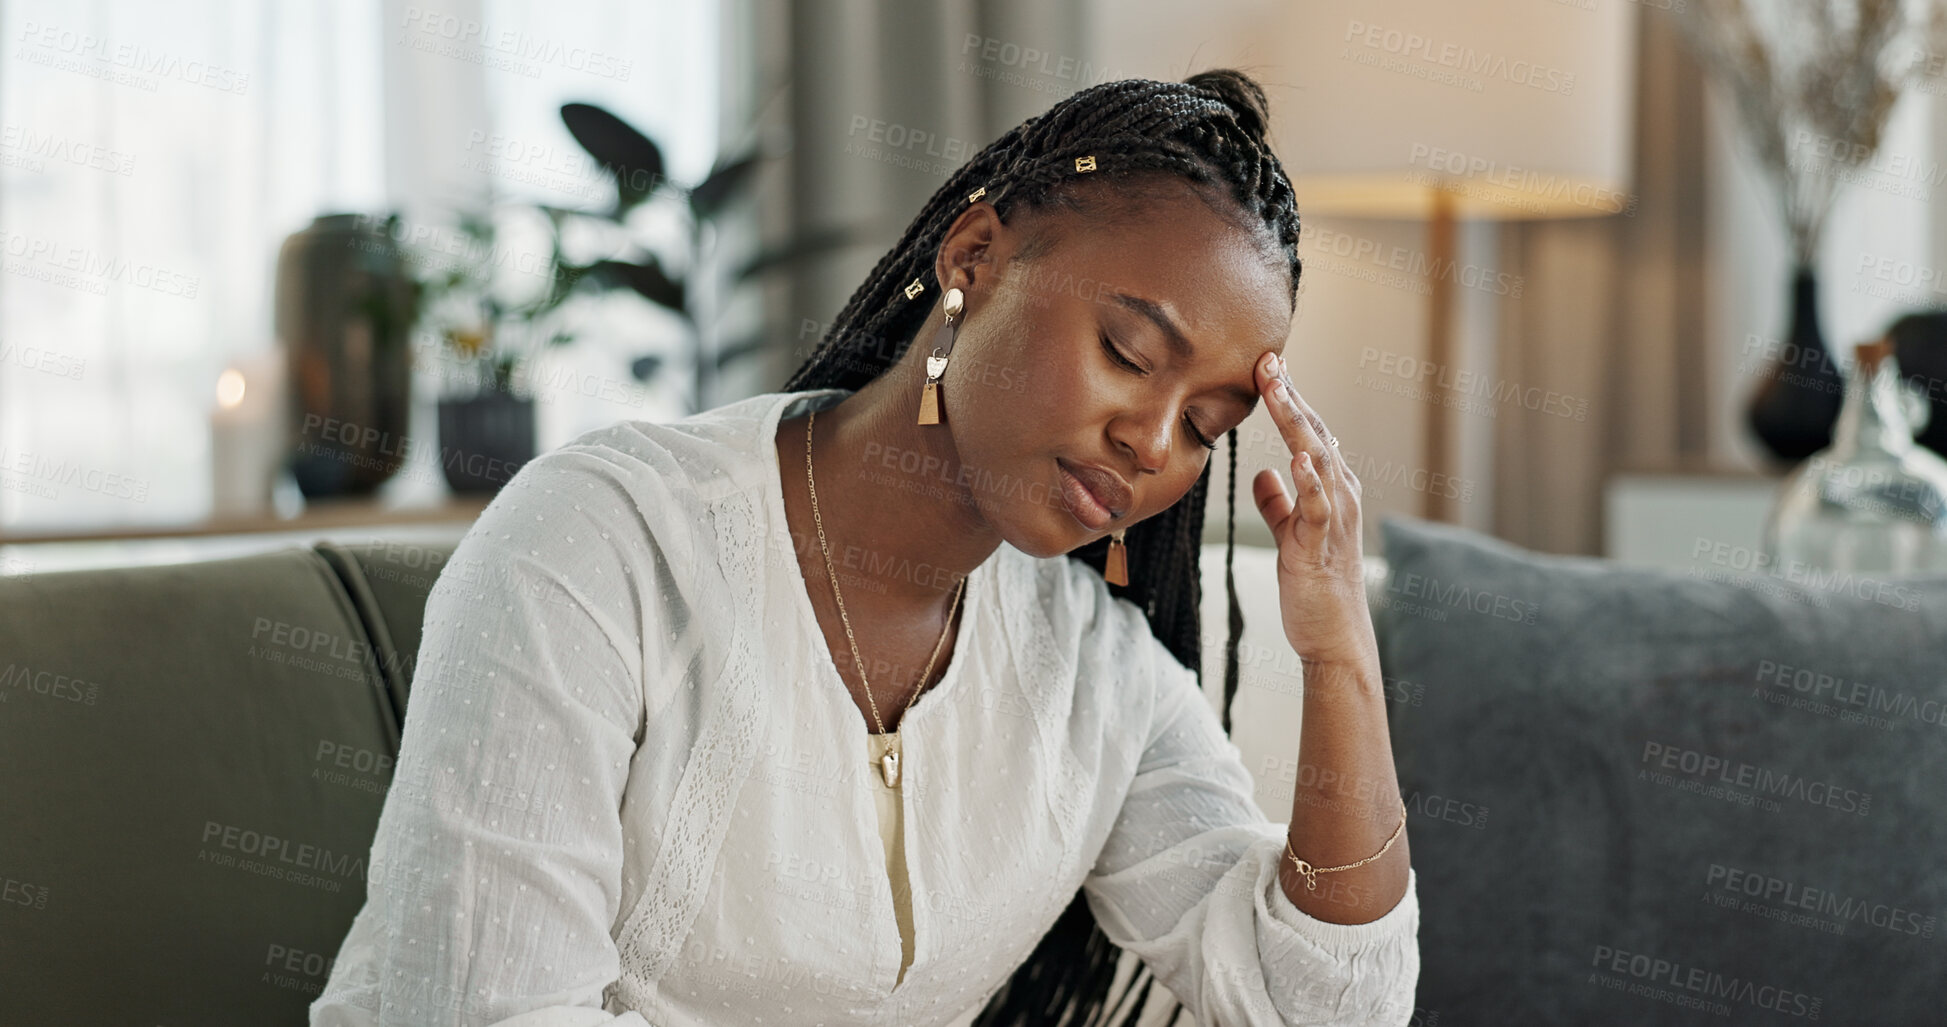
(1188, 880)
(495, 872)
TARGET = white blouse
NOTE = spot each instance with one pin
(630, 789)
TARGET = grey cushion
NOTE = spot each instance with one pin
(1632, 791)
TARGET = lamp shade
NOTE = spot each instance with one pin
(1516, 108)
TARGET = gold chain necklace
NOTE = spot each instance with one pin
(888, 760)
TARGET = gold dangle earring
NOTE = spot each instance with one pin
(943, 340)
(929, 396)
(1116, 570)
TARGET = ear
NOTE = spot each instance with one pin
(965, 259)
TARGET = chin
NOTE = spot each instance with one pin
(1057, 533)
(1050, 529)
(1048, 551)
(1033, 536)
(1041, 529)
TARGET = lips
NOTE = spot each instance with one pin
(1105, 486)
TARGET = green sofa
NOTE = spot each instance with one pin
(194, 759)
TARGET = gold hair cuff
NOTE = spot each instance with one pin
(1310, 873)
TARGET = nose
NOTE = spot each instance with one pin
(1146, 437)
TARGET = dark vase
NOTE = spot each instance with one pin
(484, 439)
(344, 305)
(1799, 393)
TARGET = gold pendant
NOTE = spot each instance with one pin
(929, 405)
(889, 768)
(1116, 570)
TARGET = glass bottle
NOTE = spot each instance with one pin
(1873, 502)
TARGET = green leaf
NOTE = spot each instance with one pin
(633, 158)
(725, 183)
(566, 277)
(647, 279)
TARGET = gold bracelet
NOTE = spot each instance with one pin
(1311, 872)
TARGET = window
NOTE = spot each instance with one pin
(154, 157)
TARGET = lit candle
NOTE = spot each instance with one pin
(247, 435)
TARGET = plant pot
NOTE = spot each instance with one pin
(484, 440)
(344, 305)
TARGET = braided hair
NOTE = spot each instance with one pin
(1208, 131)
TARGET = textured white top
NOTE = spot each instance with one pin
(629, 788)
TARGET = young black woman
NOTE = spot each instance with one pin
(704, 832)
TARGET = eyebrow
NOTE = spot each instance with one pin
(1178, 342)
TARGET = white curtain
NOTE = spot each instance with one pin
(151, 160)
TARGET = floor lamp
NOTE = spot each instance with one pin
(1439, 112)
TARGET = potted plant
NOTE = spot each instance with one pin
(676, 282)
(489, 424)
(486, 421)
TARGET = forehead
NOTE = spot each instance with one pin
(1220, 282)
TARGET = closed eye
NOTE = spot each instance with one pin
(1115, 354)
